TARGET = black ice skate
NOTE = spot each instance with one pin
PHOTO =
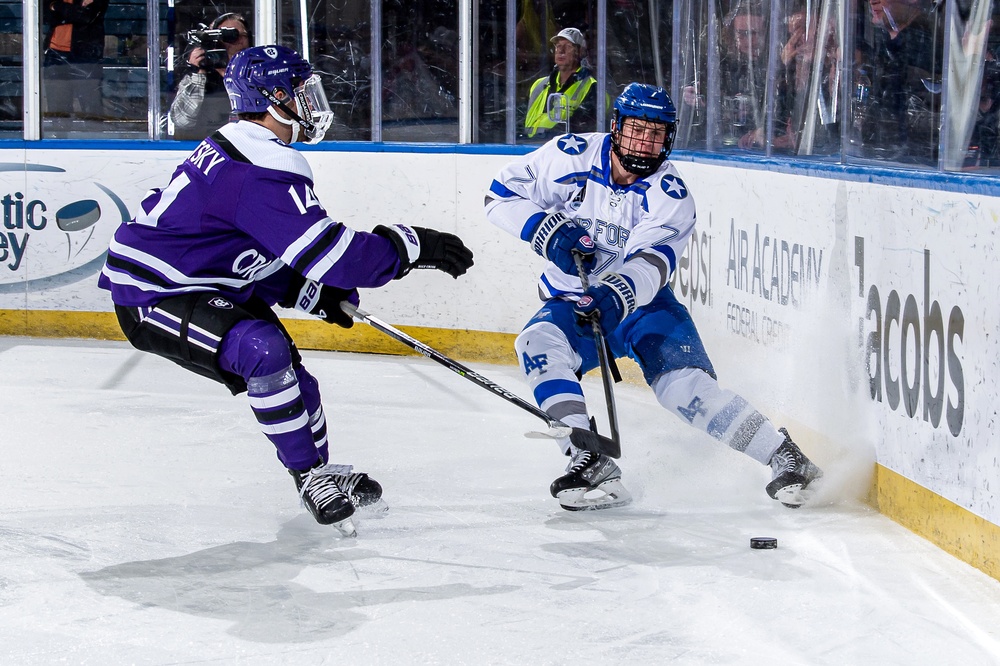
(325, 500)
(590, 473)
(792, 474)
(364, 491)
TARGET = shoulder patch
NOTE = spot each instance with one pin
(673, 186)
(571, 144)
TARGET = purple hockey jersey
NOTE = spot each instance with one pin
(238, 216)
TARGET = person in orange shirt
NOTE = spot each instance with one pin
(74, 46)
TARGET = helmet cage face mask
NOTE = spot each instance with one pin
(624, 136)
(649, 104)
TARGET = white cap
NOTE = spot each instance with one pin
(572, 35)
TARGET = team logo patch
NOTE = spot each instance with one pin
(271, 51)
(532, 363)
(673, 186)
(571, 144)
(220, 302)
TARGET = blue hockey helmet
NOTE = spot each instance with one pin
(263, 77)
(650, 104)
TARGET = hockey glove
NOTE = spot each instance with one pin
(557, 238)
(323, 301)
(609, 302)
(419, 247)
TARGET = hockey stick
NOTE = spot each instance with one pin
(602, 357)
(582, 439)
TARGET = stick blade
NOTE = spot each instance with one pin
(591, 441)
(581, 439)
(554, 432)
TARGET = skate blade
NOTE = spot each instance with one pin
(596, 505)
(346, 528)
(610, 495)
(793, 496)
(375, 509)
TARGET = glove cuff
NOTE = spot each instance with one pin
(308, 296)
(623, 289)
(546, 228)
(407, 244)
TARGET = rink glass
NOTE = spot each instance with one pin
(829, 80)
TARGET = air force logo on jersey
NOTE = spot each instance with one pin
(571, 144)
(673, 186)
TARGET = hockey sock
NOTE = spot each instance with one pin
(314, 406)
(696, 398)
(551, 374)
(258, 352)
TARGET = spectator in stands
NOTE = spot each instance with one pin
(202, 104)
(743, 70)
(413, 94)
(797, 103)
(570, 77)
(74, 46)
(897, 117)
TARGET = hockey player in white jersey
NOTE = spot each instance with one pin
(614, 201)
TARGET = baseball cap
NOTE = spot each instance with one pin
(571, 35)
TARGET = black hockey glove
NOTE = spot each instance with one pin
(419, 247)
(609, 302)
(558, 237)
(323, 301)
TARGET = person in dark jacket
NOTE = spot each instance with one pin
(201, 104)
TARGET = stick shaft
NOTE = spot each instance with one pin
(583, 439)
(602, 358)
(451, 364)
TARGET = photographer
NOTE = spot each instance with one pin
(201, 104)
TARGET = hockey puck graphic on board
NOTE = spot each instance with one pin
(763, 543)
(78, 215)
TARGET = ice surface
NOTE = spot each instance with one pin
(144, 519)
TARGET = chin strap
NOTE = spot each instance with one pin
(296, 120)
(294, 124)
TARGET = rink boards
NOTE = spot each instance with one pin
(861, 314)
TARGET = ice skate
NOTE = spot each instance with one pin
(324, 499)
(364, 491)
(792, 474)
(592, 481)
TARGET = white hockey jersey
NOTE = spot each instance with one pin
(640, 230)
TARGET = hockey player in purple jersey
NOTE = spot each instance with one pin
(239, 229)
(615, 202)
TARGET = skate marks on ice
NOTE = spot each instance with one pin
(302, 587)
(173, 536)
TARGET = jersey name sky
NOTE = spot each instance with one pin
(205, 158)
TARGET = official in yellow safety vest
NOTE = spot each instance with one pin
(570, 78)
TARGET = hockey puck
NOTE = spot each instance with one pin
(763, 543)
(78, 215)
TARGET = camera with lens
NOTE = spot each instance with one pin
(214, 42)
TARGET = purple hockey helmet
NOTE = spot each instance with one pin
(260, 77)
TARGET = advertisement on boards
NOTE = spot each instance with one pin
(60, 209)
